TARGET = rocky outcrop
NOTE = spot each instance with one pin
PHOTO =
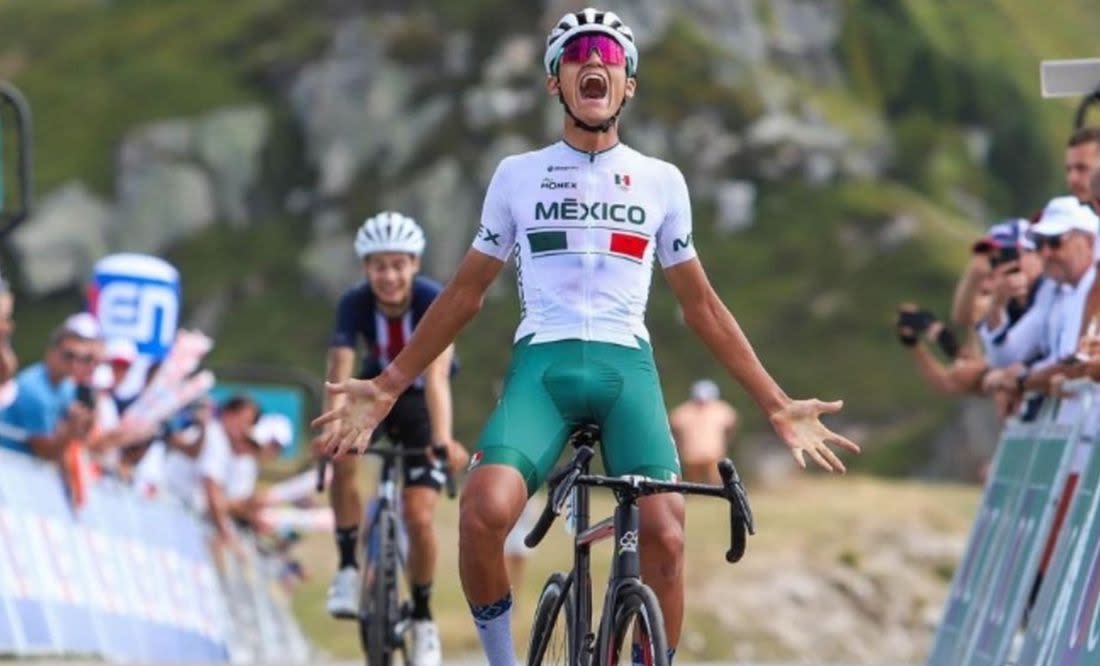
(67, 234)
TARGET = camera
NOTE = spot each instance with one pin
(85, 396)
(1004, 255)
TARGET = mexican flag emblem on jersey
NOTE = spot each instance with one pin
(623, 244)
(623, 180)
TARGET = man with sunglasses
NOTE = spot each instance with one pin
(46, 416)
(1048, 335)
(584, 219)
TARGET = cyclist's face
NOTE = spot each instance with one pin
(391, 276)
(593, 87)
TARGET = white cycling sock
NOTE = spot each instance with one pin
(494, 628)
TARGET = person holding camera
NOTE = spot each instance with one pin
(46, 415)
(1017, 283)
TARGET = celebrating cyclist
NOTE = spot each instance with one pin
(584, 218)
(382, 313)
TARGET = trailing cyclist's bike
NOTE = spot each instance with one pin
(562, 631)
(385, 614)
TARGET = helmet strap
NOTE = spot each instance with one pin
(605, 126)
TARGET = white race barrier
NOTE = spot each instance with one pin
(126, 578)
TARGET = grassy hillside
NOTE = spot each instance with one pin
(813, 281)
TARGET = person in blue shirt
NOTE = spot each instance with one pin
(46, 415)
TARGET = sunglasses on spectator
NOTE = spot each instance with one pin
(581, 47)
(69, 356)
(1053, 242)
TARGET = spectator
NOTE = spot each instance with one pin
(1066, 238)
(1082, 161)
(8, 363)
(965, 367)
(228, 469)
(45, 416)
(701, 428)
(1016, 280)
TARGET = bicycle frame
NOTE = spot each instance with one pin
(623, 525)
(388, 498)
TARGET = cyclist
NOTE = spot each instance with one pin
(382, 312)
(584, 218)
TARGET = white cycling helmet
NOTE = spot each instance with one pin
(589, 20)
(389, 232)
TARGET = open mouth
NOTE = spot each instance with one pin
(593, 85)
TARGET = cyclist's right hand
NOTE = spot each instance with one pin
(366, 405)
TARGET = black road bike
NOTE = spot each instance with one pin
(562, 632)
(385, 612)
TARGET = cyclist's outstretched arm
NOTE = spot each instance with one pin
(437, 393)
(455, 306)
(796, 421)
(368, 401)
(711, 320)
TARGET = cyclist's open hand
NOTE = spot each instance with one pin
(799, 424)
(352, 423)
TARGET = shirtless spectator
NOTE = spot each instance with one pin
(702, 427)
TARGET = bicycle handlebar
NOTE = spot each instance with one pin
(390, 453)
(562, 482)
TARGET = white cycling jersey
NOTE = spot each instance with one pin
(584, 228)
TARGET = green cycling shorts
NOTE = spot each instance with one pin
(553, 387)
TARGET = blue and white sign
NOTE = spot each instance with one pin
(137, 297)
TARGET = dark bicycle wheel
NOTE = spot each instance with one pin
(636, 624)
(552, 629)
(378, 603)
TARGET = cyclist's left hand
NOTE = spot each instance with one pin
(799, 424)
(353, 422)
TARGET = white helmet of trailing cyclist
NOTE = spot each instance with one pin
(589, 20)
(389, 232)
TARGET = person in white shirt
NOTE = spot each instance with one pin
(1065, 238)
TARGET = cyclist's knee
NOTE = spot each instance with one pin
(417, 507)
(344, 471)
(662, 527)
(492, 499)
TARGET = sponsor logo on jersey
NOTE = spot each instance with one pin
(550, 184)
(681, 243)
(553, 167)
(570, 210)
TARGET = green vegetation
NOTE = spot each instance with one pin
(813, 282)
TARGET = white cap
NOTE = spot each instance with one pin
(83, 325)
(120, 349)
(271, 428)
(1063, 214)
(704, 389)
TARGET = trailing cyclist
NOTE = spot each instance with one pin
(584, 217)
(382, 313)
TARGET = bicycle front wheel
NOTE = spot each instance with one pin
(552, 629)
(379, 607)
(636, 625)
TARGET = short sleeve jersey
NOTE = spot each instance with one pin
(358, 319)
(584, 229)
(38, 407)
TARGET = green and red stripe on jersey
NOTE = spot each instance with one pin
(626, 244)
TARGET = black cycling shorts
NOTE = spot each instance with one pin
(408, 426)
